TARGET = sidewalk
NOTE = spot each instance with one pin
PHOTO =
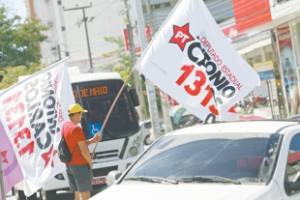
(9, 196)
(264, 112)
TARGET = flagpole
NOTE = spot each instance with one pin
(2, 182)
(112, 107)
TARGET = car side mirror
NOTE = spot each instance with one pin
(112, 177)
(134, 97)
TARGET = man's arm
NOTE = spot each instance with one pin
(96, 138)
(85, 152)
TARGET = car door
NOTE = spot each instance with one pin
(292, 170)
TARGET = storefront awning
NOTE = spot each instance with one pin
(254, 46)
(252, 41)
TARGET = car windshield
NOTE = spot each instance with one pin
(187, 158)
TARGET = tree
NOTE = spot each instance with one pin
(19, 40)
(124, 63)
(124, 67)
(10, 74)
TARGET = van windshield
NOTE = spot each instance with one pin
(180, 158)
(97, 97)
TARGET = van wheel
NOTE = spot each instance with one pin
(21, 196)
(147, 140)
(48, 195)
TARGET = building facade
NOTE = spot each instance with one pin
(266, 33)
(156, 11)
(272, 48)
(67, 35)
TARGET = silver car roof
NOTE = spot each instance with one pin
(262, 128)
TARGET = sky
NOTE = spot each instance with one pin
(15, 7)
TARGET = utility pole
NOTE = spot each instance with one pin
(137, 80)
(2, 191)
(165, 109)
(59, 52)
(163, 97)
(281, 93)
(154, 115)
(61, 29)
(86, 30)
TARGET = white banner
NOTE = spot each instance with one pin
(191, 60)
(32, 113)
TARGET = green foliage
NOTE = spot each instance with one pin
(124, 63)
(124, 66)
(11, 74)
(19, 40)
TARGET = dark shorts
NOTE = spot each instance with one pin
(80, 178)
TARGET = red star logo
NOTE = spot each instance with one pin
(3, 154)
(181, 35)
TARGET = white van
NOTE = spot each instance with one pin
(258, 160)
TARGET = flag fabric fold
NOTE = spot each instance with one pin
(12, 173)
(32, 112)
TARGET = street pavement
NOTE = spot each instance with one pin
(60, 195)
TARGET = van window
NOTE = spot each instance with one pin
(97, 97)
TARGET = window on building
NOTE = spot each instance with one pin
(268, 52)
(280, 1)
(254, 57)
(161, 5)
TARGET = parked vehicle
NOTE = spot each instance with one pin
(146, 128)
(181, 117)
(122, 138)
(257, 160)
(294, 117)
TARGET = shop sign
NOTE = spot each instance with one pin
(251, 13)
(266, 75)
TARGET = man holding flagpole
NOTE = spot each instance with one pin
(79, 169)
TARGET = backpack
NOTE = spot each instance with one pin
(64, 153)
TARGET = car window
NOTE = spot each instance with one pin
(292, 173)
(230, 158)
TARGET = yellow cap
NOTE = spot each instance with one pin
(75, 108)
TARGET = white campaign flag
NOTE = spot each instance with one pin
(191, 60)
(32, 112)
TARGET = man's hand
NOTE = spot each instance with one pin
(90, 165)
(96, 138)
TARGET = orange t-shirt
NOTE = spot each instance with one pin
(74, 134)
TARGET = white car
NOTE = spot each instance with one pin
(258, 160)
